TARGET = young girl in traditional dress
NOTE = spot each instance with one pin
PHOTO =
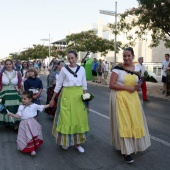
(29, 135)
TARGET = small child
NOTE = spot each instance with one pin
(29, 134)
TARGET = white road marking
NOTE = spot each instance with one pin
(152, 137)
(100, 114)
(160, 141)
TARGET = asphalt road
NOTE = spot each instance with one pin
(99, 154)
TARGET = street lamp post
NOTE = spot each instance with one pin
(113, 13)
(49, 48)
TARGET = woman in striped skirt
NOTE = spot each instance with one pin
(10, 85)
(71, 120)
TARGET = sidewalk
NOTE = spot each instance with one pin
(153, 89)
(44, 72)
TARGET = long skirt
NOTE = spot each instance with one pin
(51, 110)
(29, 135)
(70, 125)
(126, 145)
(12, 101)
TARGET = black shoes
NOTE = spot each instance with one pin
(163, 92)
(128, 159)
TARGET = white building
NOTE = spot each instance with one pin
(153, 57)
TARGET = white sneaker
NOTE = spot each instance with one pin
(80, 149)
(64, 147)
(33, 153)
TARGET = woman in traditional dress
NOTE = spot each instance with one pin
(51, 82)
(71, 120)
(129, 130)
(10, 85)
(24, 68)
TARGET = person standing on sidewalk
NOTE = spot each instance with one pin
(142, 69)
(165, 64)
(128, 127)
(106, 70)
(99, 71)
(168, 80)
(94, 70)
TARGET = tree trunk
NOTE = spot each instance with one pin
(84, 59)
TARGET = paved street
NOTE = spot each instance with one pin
(99, 154)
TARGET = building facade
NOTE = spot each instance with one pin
(153, 57)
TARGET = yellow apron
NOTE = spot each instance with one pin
(129, 111)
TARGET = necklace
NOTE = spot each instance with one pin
(10, 79)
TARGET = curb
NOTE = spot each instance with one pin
(107, 86)
(149, 95)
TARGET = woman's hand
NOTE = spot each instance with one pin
(52, 102)
(134, 88)
(9, 114)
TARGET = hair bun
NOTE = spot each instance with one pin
(73, 52)
(129, 49)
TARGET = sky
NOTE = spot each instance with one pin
(25, 22)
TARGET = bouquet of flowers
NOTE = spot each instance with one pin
(3, 109)
(150, 77)
(86, 98)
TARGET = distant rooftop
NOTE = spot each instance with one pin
(61, 42)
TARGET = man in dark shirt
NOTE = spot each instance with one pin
(94, 69)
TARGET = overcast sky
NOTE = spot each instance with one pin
(25, 22)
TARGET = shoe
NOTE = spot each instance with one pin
(80, 149)
(93, 81)
(146, 100)
(64, 147)
(163, 92)
(128, 159)
(33, 153)
(16, 130)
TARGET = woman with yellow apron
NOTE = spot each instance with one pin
(129, 130)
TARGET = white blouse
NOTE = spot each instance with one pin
(9, 76)
(121, 73)
(30, 111)
(56, 77)
(142, 69)
(67, 79)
